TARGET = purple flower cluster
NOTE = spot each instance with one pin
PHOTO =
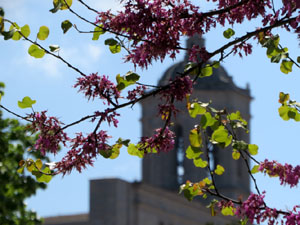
(161, 23)
(98, 86)
(255, 210)
(83, 151)
(179, 89)
(287, 173)
(136, 93)
(293, 218)
(242, 47)
(196, 53)
(108, 116)
(51, 134)
(161, 141)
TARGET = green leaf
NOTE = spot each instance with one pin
(192, 68)
(255, 169)
(298, 59)
(8, 34)
(25, 30)
(283, 112)
(283, 97)
(215, 64)
(56, 6)
(235, 154)
(198, 162)
(220, 135)
(227, 211)
(133, 150)
(16, 36)
(21, 170)
(115, 151)
(43, 33)
(193, 152)
(129, 79)
(115, 49)
(97, 32)
(228, 33)
(54, 48)
(1, 12)
(60, 5)
(207, 120)
(110, 42)
(105, 153)
(219, 170)
(36, 52)
(41, 177)
(0, 97)
(195, 138)
(195, 109)
(38, 164)
(286, 66)
(66, 25)
(253, 149)
(27, 102)
(1, 25)
(293, 114)
(132, 77)
(240, 145)
(206, 71)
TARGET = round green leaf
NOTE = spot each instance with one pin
(110, 42)
(66, 25)
(97, 32)
(25, 30)
(36, 52)
(255, 169)
(193, 152)
(206, 71)
(227, 211)
(27, 102)
(133, 150)
(195, 138)
(253, 149)
(219, 170)
(200, 163)
(228, 33)
(43, 33)
(115, 49)
(196, 109)
(286, 66)
(235, 155)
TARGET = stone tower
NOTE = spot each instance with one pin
(169, 170)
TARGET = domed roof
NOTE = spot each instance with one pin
(219, 80)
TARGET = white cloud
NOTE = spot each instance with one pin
(84, 56)
(14, 9)
(94, 52)
(48, 65)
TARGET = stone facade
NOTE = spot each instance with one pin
(155, 200)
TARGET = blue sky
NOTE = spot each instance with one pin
(50, 82)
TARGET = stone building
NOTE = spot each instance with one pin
(155, 200)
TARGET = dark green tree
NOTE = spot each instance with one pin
(15, 185)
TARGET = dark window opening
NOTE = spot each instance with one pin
(180, 154)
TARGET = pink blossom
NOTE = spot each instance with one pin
(51, 134)
(287, 173)
(83, 152)
(98, 86)
(161, 141)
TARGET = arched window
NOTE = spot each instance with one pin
(212, 153)
(180, 154)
